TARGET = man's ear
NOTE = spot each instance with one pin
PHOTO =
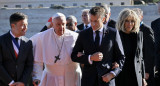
(75, 23)
(12, 25)
(141, 18)
(106, 15)
(104, 18)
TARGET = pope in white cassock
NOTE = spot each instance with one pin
(52, 50)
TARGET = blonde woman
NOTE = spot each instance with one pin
(132, 39)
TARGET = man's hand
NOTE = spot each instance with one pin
(115, 65)
(107, 77)
(144, 82)
(147, 76)
(98, 56)
(36, 82)
(18, 84)
(79, 54)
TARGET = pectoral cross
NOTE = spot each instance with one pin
(57, 58)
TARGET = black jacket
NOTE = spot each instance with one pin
(156, 28)
(11, 68)
(112, 23)
(148, 50)
(138, 62)
(112, 50)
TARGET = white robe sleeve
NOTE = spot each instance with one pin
(37, 70)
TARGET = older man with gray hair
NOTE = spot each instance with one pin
(108, 21)
(53, 49)
(155, 24)
(86, 20)
(71, 23)
(149, 50)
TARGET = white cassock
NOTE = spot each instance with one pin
(47, 45)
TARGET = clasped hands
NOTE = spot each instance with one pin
(98, 56)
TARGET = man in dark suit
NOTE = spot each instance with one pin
(148, 50)
(101, 46)
(85, 19)
(108, 21)
(71, 23)
(111, 23)
(156, 28)
(16, 56)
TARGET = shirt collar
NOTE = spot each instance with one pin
(89, 25)
(141, 23)
(12, 34)
(100, 30)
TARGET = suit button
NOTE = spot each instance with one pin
(139, 71)
(137, 61)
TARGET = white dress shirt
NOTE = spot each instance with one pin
(84, 25)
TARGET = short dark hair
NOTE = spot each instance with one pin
(15, 17)
(99, 11)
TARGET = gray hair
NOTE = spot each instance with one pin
(123, 16)
(85, 10)
(138, 11)
(56, 15)
(73, 18)
(107, 8)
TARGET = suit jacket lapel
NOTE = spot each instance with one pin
(104, 37)
(10, 45)
(91, 37)
(83, 26)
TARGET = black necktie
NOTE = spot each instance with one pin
(86, 26)
(97, 39)
(16, 39)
